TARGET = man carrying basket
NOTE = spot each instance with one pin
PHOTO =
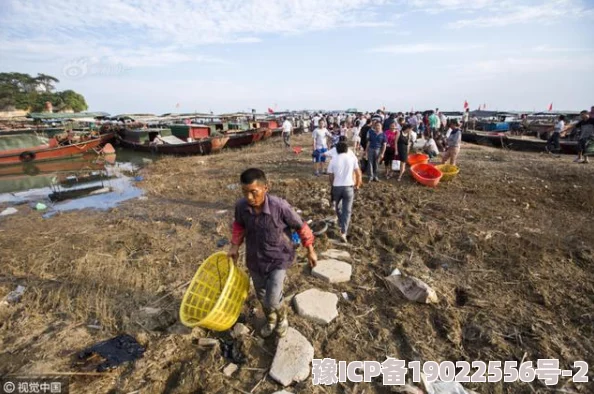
(265, 222)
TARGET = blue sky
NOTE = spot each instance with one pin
(228, 55)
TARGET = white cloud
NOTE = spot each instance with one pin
(421, 48)
(508, 13)
(156, 33)
(546, 48)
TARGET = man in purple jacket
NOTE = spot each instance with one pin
(265, 222)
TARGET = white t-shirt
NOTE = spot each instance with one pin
(320, 138)
(316, 120)
(559, 126)
(333, 153)
(343, 166)
(287, 126)
(431, 146)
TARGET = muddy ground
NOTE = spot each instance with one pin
(508, 246)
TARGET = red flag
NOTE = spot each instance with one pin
(465, 104)
(551, 107)
(270, 110)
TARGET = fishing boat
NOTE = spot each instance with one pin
(84, 162)
(24, 148)
(162, 141)
(520, 143)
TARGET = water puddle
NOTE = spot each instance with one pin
(66, 185)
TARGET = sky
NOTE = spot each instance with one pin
(154, 56)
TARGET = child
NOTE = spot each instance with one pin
(430, 146)
(265, 222)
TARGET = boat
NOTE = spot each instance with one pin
(85, 162)
(162, 141)
(520, 143)
(240, 139)
(46, 150)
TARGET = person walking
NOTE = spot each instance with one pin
(375, 149)
(265, 223)
(465, 119)
(434, 124)
(320, 146)
(364, 133)
(391, 134)
(403, 147)
(586, 128)
(287, 131)
(345, 178)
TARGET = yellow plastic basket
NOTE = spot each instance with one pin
(449, 171)
(216, 294)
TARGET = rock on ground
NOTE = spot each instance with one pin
(333, 271)
(316, 305)
(292, 360)
(336, 254)
(230, 369)
(282, 392)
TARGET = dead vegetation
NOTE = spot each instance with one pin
(508, 246)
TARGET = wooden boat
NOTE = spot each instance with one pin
(45, 152)
(520, 143)
(257, 135)
(84, 162)
(240, 139)
(174, 146)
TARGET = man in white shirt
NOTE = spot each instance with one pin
(345, 178)
(320, 146)
(315, 121)
(430, 147)
(287, 131)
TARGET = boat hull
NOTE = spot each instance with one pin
(239, 139)
(203, 147)
(35, 155)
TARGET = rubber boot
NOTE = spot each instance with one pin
(271, 320)
(283, 324)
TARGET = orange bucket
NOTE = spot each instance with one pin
(426, 174)
(417, 158)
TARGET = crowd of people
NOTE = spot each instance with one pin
(381, 138)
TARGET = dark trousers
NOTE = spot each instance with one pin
(553, 142)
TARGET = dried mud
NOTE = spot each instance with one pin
(508, 246)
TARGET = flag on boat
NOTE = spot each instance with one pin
(550, 106)
(270, 110)
(484, 107)
(465, 104)
(177, 105)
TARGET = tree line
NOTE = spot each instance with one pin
(25, 92)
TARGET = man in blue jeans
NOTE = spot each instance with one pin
(375, 149)
(345, 178)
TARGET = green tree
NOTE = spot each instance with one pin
(21, 91)
(47, 81)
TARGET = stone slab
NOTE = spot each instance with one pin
(333, 271)
(317, 306)
(292, 359)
